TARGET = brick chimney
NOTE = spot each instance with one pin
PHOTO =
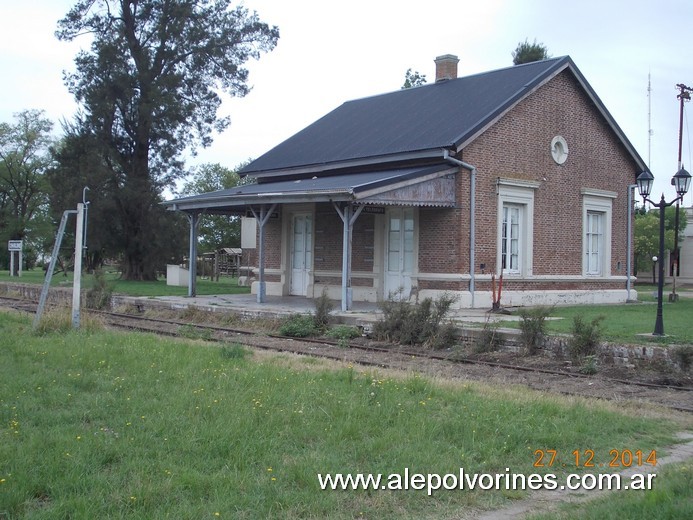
(446, 67)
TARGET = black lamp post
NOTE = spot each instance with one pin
(681, 181)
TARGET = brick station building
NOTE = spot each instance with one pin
(442, 188)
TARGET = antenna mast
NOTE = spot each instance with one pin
(649, 120)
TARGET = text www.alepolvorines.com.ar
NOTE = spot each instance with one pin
(431, 482)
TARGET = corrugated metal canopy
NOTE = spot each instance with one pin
(355, 187)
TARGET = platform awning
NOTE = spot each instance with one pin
(414, 186)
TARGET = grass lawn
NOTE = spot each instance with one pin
(225, 285)
(113, 425)
(622, 323)
(626, 323)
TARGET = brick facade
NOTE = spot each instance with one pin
(516, 147)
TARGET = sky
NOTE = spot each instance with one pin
(332, 52)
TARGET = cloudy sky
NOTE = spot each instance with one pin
(331, 52)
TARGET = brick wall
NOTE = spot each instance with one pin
(518, 147)
(328, 239)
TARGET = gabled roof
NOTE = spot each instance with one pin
(391, 148)
(414, 123)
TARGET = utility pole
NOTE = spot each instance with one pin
(683, 96)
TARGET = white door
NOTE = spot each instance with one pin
(399, 253)
(301, 253)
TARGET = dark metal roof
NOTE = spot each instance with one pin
(446, 114)
(362, 145)
(345, 187)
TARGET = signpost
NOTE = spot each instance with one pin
(15, 246)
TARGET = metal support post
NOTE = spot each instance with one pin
(79, 252)
(51, 266)
(262, 219)
(194, 219)
(348, 215)
(629, 239)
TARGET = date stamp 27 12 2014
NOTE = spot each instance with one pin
(548, 458)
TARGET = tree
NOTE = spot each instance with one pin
(216, 231)
(79, 165)
(670, 219)
(646, 237)
(413, 79)
(526, 52)
(24, 158)
(149, 89)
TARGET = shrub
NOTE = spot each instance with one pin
(586, 337)
(54, 320)
(396, 315)
(193, 332)
(234, 351)
(683, 356)
(589, 365)
(533, 328)
(128, 308)
(99, 296)
(194, 315)
(416, 324)
(59, 320)
(489, 340)
(444, 337)
(228, 319)
(298, 326)
(323, 308)
(343, 332)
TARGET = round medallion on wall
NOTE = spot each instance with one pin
(559, 149)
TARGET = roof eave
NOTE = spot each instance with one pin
(225, 203)
(432, 153)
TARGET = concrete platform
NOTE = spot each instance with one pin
(363, 313)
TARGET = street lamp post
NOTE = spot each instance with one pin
(681, 181)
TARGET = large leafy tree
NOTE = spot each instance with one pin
(79, 165)
(24, 158)
(526, 52)
(149, 87)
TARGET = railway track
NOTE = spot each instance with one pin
(446, 365)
